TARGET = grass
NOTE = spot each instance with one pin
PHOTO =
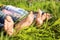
(50, 30)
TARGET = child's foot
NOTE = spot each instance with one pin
(25, 22)
(8, 25)
(40, 18)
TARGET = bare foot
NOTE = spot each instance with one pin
(40, 18)
(25, 22)
(8, 25)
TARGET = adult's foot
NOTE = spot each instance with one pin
(8, 25)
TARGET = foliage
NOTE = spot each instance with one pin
(50, 30)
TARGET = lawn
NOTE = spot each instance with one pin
(50, 30)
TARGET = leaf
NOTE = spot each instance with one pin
(56, 22)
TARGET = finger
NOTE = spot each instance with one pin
(9, 19)
(49, 16)
(40, 13)
(44, 16)
(5, 24)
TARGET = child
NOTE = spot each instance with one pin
(10, 14)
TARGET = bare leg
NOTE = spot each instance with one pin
(25, 23)
(8, 25)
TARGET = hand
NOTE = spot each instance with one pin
(8, 25)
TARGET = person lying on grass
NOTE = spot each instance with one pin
(10, 14)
